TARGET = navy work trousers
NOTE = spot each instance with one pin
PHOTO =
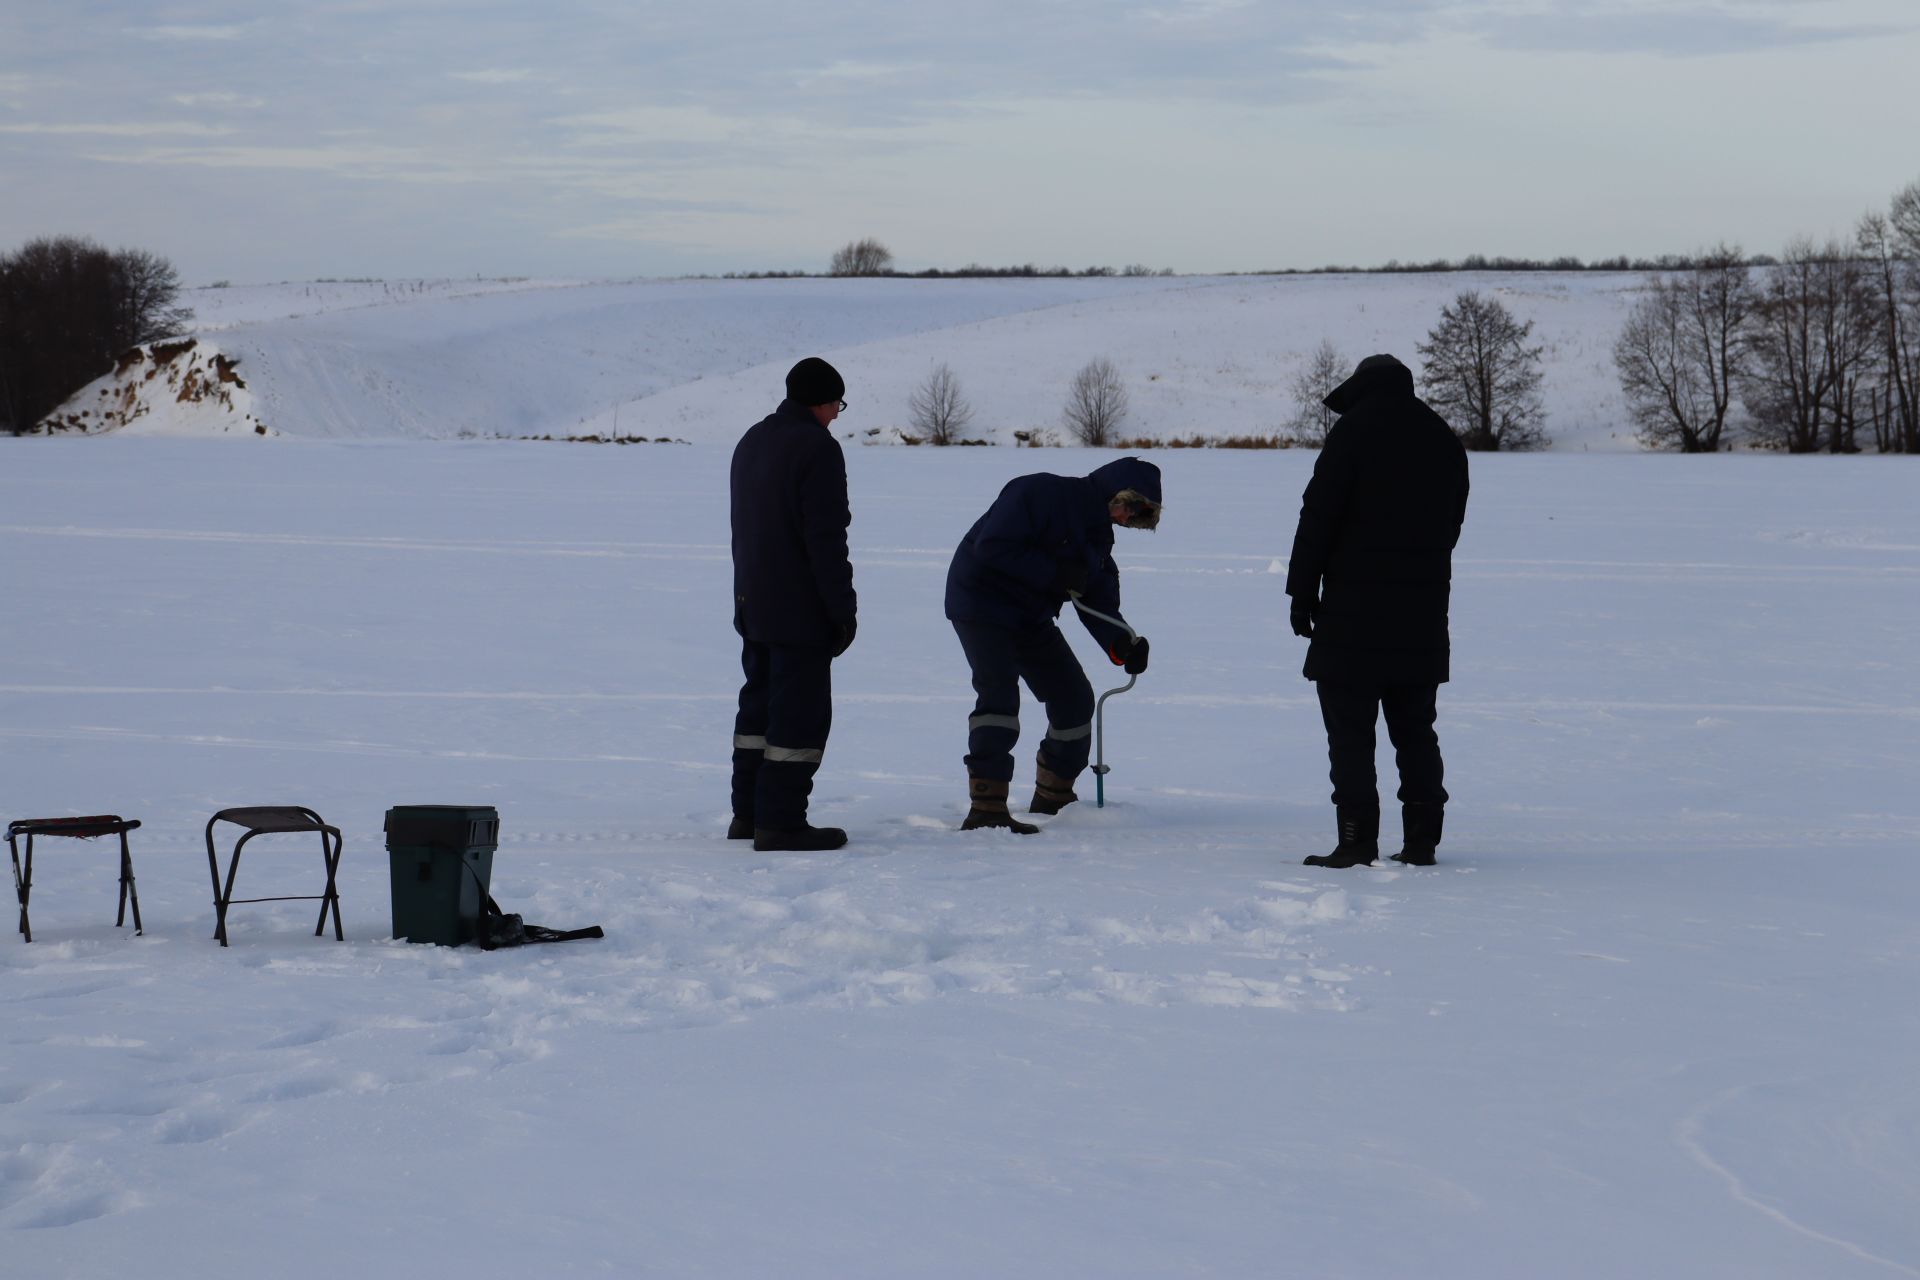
(1001, 658)
(780, 732)
(1350, 711)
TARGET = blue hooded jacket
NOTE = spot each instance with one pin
(1004, 569)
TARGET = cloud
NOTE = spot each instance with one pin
(1669, 32)
(125, 129)
(492, 75)
(232, 101)
(184, 32)
(629, 125)
(390, 162)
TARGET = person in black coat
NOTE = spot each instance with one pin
(1369, 581)
(793, 605)
(1044, 539)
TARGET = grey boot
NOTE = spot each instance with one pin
(1359, 840)
(1420, 827)
(989, 808)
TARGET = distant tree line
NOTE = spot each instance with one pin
(67, 308)
(869, 257)
(1480, 262)
(1820, 348)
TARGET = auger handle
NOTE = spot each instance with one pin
(1100, 766)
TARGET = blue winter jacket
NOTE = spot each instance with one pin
(792, 579)
(1004, 569)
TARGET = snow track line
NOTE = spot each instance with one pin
(589, 550)
(1688, 1134)
(1271, 702)
(109, 733)
(884, 557)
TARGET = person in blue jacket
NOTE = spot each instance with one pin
(1045, 539)
(793, 605)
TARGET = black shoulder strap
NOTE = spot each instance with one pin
(535, 932)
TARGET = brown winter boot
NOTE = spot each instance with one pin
(989, 808)
(1051, 792)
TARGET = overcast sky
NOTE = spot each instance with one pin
(301, 138)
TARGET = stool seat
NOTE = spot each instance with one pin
(102, 824)
(80, 828)
(264, 819)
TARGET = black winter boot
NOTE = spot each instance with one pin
(1359, 840)
(1051, 792)
(740, 828)
(989, 809)
(800, 839)
(1420, 827)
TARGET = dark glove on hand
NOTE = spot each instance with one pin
(1069, 577)
(1301, 617)
(1137, 657)
(843, 636)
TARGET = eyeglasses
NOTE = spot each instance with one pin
(843, 406)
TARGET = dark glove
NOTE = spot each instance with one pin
(1301, 616)
(1069, 577)
(843, 636)
(1131, 655)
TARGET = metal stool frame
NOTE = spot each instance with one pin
(105, 824)
(266, 820)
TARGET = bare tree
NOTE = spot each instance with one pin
(146, 286)
(1096, 403)
(1893, 280)
(938, 410)
(67, 308)
(1812, 341)
(1679, 353)
(1325, 369)
(866, 257)
(1482, 377)
(1906, 220)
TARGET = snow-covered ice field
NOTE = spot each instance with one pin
(1653, 1015)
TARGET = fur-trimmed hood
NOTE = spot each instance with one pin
(1122, 474)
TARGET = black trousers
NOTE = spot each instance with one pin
(1001, 658)
(780, 732)
(1350, 711)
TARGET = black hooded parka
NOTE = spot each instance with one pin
(1373, 554)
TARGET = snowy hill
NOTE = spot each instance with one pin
(699, 359)
(1652, 1015)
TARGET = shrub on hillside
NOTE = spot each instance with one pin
(1096, 403)
(938, 409)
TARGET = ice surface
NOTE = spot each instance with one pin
(1653, 1013)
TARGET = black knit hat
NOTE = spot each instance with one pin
(813, 381)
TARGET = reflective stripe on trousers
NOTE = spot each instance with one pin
(793, 755)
